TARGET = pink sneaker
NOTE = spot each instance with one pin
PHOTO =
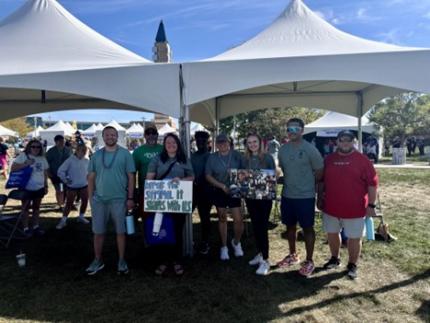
(307, 269)
(289, 260)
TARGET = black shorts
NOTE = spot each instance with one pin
(222, 200)
(34, 195)
(76, 189)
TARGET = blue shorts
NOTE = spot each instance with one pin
(298, 210)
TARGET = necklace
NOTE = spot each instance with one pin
(111, 162)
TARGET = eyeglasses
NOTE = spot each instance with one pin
(346, 139)
(36, 147)
(294, 129)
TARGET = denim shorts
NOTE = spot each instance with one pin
(300, 211)
(102, 211)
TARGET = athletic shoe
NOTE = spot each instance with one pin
(256, 260)
(332, 263)
(81, 219)
(224, 253)
(95, 267)
(352, 270)
(238, 252)
(263, 268)
(61, 224)
(290, 260)
(307, 268)
(204, 248)
(122, 267)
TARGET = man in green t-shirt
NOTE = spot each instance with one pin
(110, 189)
(142, 156)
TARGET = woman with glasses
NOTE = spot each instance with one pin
(37, 185)
(173, 164)
(259, 210)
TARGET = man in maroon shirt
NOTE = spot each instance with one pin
(348, 196)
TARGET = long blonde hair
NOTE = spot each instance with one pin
(248, 152)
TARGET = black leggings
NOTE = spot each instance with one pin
(202, 200)
(259, 211)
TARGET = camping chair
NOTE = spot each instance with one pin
(9, 223)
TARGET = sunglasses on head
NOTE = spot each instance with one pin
(294, 129)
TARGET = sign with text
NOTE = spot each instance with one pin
(255, 184)
(168, 196)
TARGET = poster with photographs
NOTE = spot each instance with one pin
(256, 184)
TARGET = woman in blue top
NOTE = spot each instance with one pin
(172, 163)
(259, 210)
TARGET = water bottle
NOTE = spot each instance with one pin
(61, 187)
(370, 228)
(129, 221)
(158, 219)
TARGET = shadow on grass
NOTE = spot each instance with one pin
(54, 287)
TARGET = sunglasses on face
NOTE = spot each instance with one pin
(294, 129)
(347, 139)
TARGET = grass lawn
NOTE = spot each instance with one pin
(393, 283)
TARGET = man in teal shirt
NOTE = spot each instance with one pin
(142, 156)
(110, 189)
(302, 166)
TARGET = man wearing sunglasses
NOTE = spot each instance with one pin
(347, 197)
(302, 166)
(142, 156)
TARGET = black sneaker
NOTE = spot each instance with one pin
(352, 270)
(332, 263)
(204, 248)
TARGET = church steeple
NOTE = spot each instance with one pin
(161, 50)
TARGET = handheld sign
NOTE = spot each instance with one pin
(255, 184)
(168, 197)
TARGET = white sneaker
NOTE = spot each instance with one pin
(263, 268)
(81, 219)
(238, 252)
(256, 260)
(62, 223)
(224, 253)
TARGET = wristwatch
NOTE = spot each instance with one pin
(371, 205)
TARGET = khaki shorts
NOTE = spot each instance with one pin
(102, 211)
(353, 228)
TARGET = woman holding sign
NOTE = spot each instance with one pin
(259, 210)
(217, 172)
(171, 164)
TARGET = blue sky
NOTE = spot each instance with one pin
(198, 29)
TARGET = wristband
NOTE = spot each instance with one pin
(371, 205)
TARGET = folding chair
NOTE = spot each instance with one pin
(9, 223)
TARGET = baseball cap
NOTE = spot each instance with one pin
(346, 133)
(222, 137)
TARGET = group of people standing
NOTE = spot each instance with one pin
(343, 186)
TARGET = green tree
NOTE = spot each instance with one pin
(267, 122)
(18, 124)
(402, 115)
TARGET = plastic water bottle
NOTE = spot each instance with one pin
(129, 221)
(370, 228)
(61, 187)
(158, 219)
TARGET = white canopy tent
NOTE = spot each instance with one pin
(90, 131)
(135, 131)
(49, 60)
(100, 126)
(7, 132)
(60, 128)
(166, 129)
(301, 60)
(330, 124)
(35, 133)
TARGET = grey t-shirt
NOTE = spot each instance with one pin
(178, 170)
(111, 169)
(298, 163)
(254, 162)
(218, 166)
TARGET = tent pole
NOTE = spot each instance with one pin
(186, 142)
(216, 123)
(359, 116)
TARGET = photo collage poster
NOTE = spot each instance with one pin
(256, 184)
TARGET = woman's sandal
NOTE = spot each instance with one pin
(178, 269)
(161, 270)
